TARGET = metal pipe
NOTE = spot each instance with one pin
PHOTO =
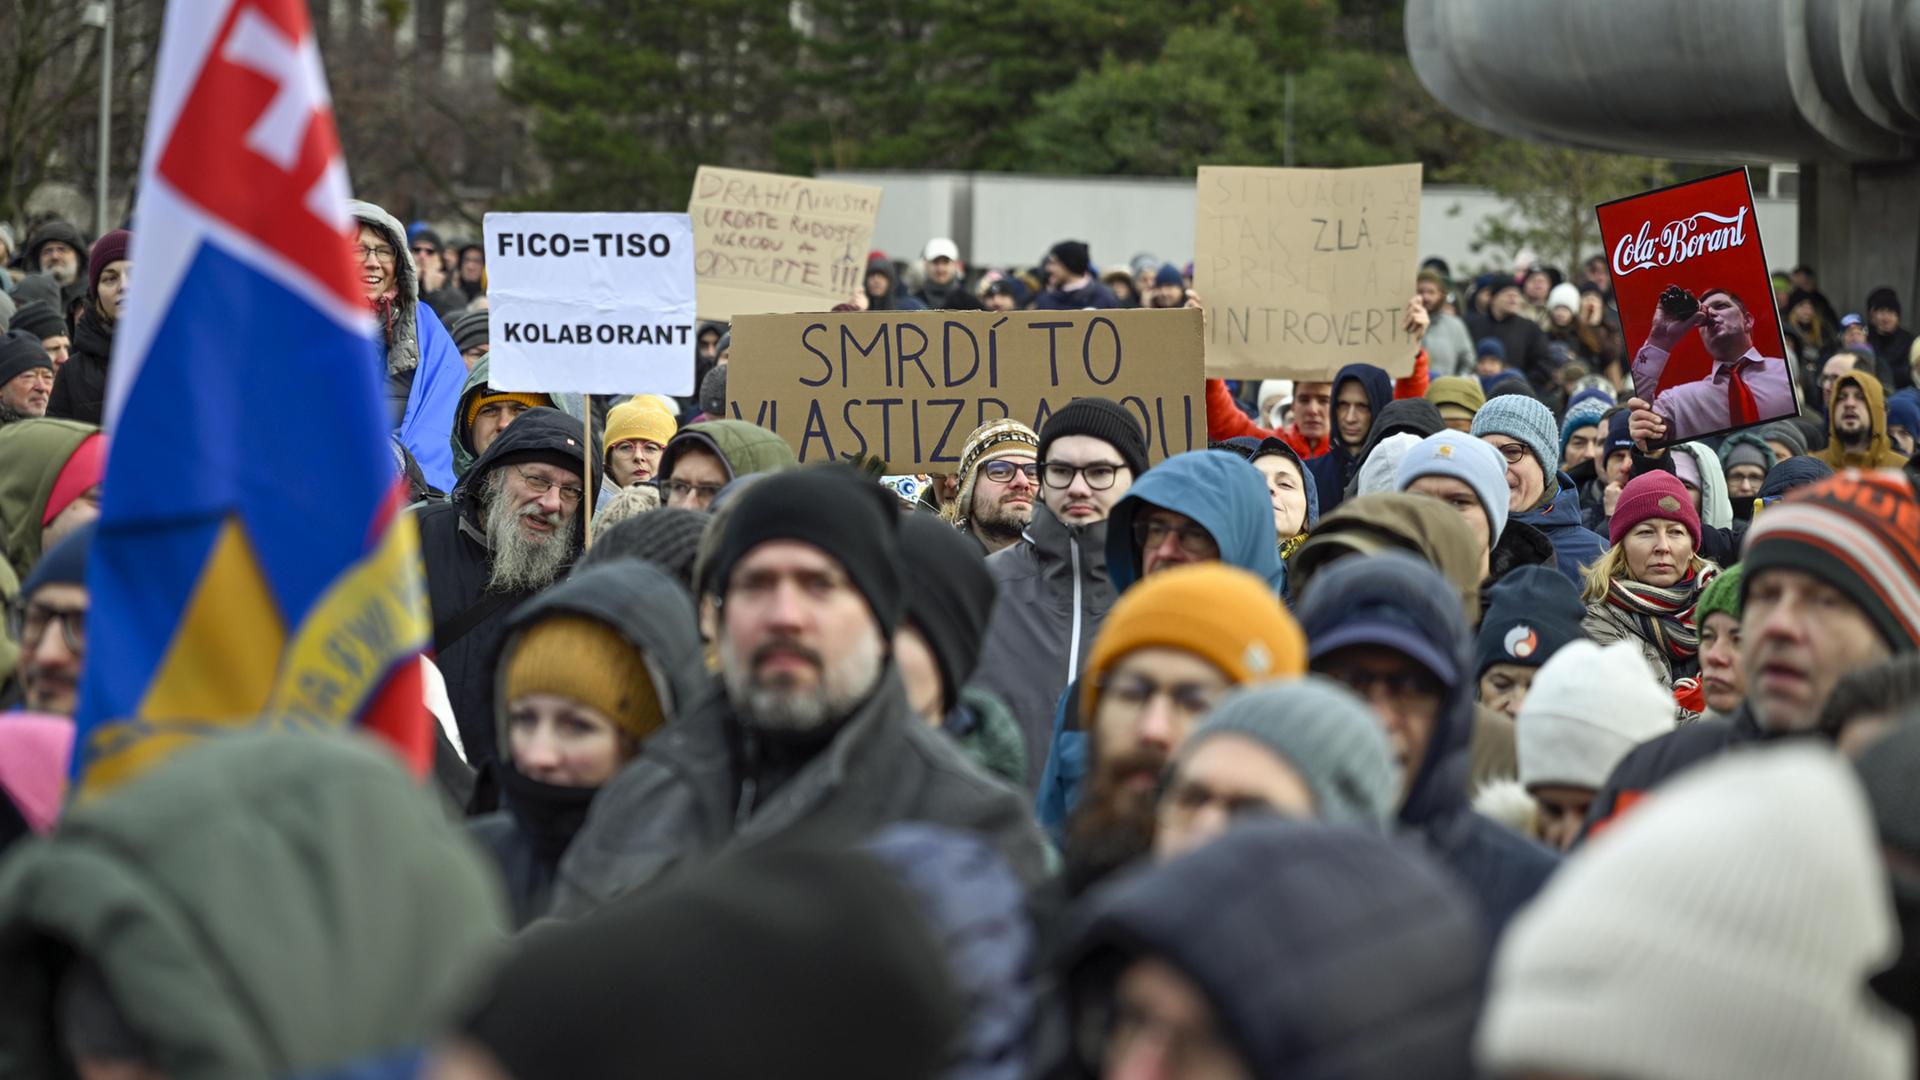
(100, 225)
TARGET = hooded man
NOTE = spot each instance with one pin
(26, 377)
(806, 726)
(80, 388)
(484, 413)
(1173, 646)
(512, 527)
(1071, 285)
(1540, 495)
(424, 371)
(54, 248)
(49, 485)
(1360, 392)
(152, 934)
(999, 483)
(1892, 343)
(702, 458)
(1281, 949)
(1200, 506)
(883, 288)
(1826, 589)
(1857, 425)
(1389, 628)
(1053, 584)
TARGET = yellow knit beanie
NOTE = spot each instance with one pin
(1218, 612)
(642, 417)
(531, 401)
(585, 660)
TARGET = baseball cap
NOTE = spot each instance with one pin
(1849, 319)
(941, 248)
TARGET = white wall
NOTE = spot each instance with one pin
(1006, 219)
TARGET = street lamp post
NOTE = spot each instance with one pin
(99, 13)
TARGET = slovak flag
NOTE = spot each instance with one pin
(252, 566)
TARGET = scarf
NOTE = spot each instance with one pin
(1664, 615)
(1290, 545)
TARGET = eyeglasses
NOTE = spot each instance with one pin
(540, 485)
(380, 252)
(1100, 475)
(1513, 452)
(1002, 470)
(1406, 684)
(28, 622)
(680, 489)
(1193, 539)
(1135, 692)
(421, 251)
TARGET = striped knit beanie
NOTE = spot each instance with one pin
(1860, 533)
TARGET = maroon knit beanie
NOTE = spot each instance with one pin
(109, 248)
(1654, 495)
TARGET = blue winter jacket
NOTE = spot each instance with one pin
(1575, 547)
(1227, 497)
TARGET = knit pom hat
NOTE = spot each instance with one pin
(1654, 495)
(1219, 613)
(587, 661)
(1518, 416)
(1102, 419)
(1468, 460)
(1857, 532)
(1721, 595)
(1588, 706)
(993, 439)
(642, 417)
(1723, 930)
(1327, 734)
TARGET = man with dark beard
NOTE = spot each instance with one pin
(806, 728)
(1172, 647)
(512, 528)
(999, 483)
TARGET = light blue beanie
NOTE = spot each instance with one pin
(1468, 460)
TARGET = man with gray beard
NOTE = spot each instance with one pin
(806, 727)
(512, 527)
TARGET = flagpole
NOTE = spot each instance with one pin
(586, 459)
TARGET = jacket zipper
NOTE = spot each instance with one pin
(749, 782)
(1073, 642)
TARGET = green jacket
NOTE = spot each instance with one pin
(986, 731)
(742, 447)
(262, 905)
(34, 451)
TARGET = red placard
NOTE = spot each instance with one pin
(1723, 368)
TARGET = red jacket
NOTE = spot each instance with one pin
(1226, 421)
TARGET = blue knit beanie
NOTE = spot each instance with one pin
(1585, 414)
(1520, 417)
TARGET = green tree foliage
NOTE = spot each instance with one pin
(626, 98)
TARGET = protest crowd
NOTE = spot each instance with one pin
(1438, 725)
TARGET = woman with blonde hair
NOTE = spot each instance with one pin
(1645, 588)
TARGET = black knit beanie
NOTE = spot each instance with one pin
(20, 352)
(1073, 256)
(669, 538)
(469, 329)
(950, 597)
(37, 317)
(713, 392)
(833, 508)
(1105, 420)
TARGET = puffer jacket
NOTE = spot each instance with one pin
(263, 905)
(1053, 595)
(695, 792)
(424, 370)
(648, 609)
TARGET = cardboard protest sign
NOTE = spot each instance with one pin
(1696, 307)
(909, 387)
(772, 243)
(1304, 271)
(590, 303)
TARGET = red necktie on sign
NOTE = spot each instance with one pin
(1740, 403)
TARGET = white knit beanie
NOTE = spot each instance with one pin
(1724, 929)
(1588, 706)
(1383, 463)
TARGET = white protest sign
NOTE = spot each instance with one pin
(590, 303)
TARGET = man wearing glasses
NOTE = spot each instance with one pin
(48, 623)
(1538, 493)
(513, 527)
(1053, 583)
(999, 481)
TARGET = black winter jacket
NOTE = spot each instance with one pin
(80, 390)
